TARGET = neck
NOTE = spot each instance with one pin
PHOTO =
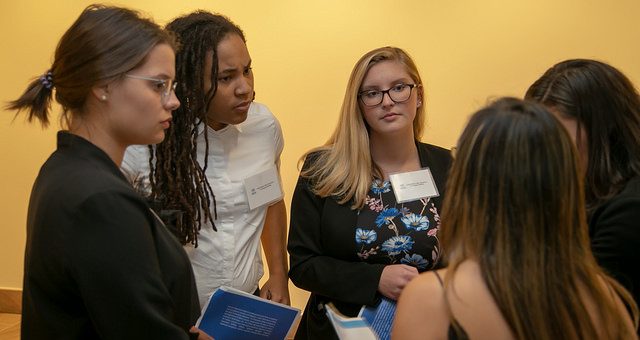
(99, 137)
(394, 153)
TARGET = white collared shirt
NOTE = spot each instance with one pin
(232, 255)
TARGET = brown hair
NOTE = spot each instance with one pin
(102, 44)
(515, 204)
(607, 108)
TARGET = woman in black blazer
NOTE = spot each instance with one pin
(99, 263)
(600, 108)
(351, 240)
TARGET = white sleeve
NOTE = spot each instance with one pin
(135, 166)
(278, 139)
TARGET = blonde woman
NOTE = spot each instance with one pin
(350, 241)
(515, 234)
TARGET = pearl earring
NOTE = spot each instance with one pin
(104, 97)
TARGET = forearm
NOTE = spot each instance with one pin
(274, 239)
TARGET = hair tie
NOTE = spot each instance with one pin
(47, 80)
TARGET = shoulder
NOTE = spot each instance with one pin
(135, 163)
(261, 116)
(435, 153)
(312, 158)
(425, 290)
(422, 310)
(621, 210)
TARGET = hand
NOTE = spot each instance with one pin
(276, 289)
(201, 335)
(393, 279)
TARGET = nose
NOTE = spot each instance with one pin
(386, 99)
(172, 103)
(245, 86)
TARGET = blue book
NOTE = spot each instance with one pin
(380, 317)
(233, 314)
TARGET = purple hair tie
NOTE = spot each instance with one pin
(47, 80)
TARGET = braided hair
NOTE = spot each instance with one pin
(178, 182)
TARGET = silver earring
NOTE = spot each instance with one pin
(104, 97)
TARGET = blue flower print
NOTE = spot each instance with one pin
(415, 260)
(397, 244)
(380, 187)
(365, 236)
(417, 222)
(386, 216)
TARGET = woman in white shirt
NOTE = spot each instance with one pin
(219, 138)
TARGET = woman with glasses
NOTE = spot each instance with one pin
(600, 108)
(219, 141)
(355, 235)
(99, 263)
(515, 233)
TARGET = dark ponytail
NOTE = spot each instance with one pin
(104, 43)
(36, 99)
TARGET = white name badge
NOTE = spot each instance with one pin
(263, 188)
(413, 185)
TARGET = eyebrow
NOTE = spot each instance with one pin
(395, 82)
(161, 75)
(233, 69)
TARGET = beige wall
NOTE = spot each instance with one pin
(468, 51)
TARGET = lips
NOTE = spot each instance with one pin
(390, 115)
(243, 107)
(166, 123)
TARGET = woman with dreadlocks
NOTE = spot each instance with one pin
(220, 141)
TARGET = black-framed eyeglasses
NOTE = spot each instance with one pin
(398, 93)
(163, 86)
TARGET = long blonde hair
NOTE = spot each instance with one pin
(343, 167)
(515, 204)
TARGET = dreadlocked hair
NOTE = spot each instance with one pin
(178, 182)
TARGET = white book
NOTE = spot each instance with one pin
(349, 328)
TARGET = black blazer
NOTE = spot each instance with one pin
(325, 264)
(614, 229)
(98, 264)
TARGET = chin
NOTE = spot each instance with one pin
(156, 139)
(240, 119)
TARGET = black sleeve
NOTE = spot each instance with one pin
(615, 241)
(311, 268)
(115, 265)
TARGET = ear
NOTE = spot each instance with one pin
(100, 92)
(420, 96)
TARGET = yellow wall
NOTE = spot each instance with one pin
(468, 51)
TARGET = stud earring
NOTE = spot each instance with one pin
(104, 97)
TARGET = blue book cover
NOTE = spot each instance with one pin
(380, 317)
(233, 314)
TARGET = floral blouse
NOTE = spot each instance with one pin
(397, 233)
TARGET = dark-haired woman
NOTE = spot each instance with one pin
(515, 235)
(219, 143)
(99, 263)
(600, 108)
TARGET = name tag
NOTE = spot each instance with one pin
(263, 188)
(413, 185)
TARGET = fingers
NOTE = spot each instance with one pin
(201, 335)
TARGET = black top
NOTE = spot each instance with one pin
(323, 257)
(614, 229)
(98, 264)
